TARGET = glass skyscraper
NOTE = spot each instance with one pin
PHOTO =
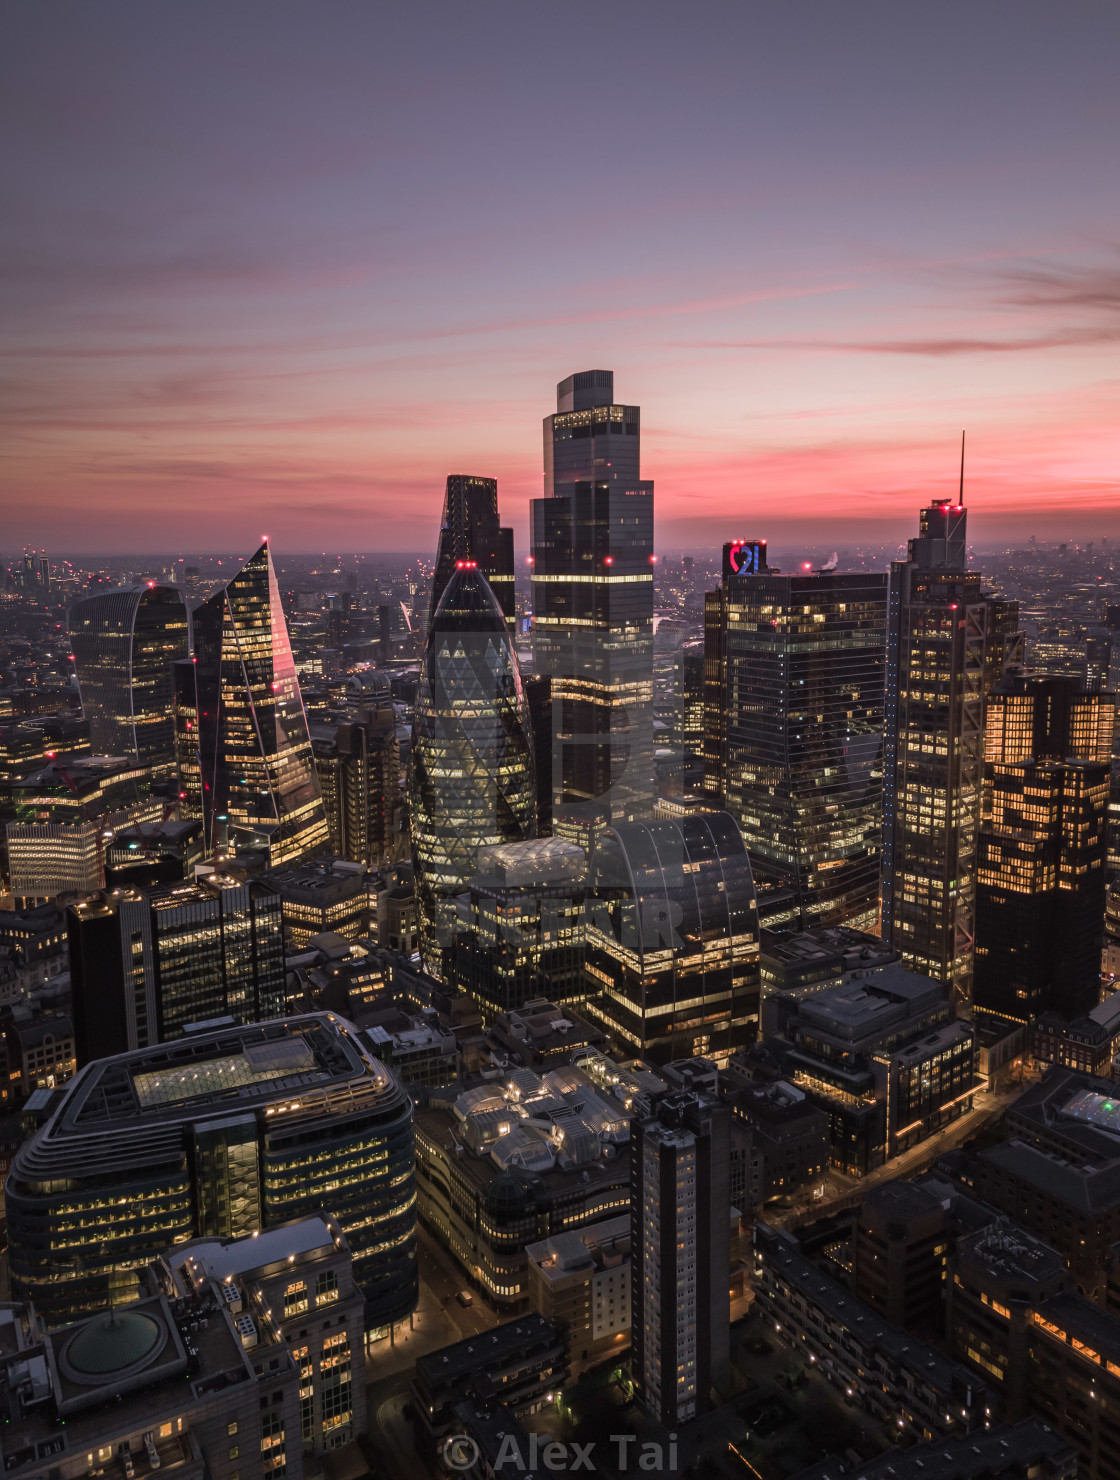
(259, 784)
(946, 645)
(471, 764)
(1041, 876)
(471, 530)
(124, 644)
(672, 938)
(592, 583)
(794, 665)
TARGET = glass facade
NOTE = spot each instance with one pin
(124, 644)
(218, 1134)
(471, 530)
(259, 783)
(673, 938)
(1043, 844)
(471, 764)
(946, 642)
(797, 672)
(592, 583)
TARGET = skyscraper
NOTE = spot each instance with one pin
(680, 1256)
(259, 786)
(471, 530)
(794, 669)
(145, 963)
(592, 585)
(124, 644)
(471, 761)
(1042, 877)
(946, 644)
(673, 938)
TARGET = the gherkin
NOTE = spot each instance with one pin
(471, 766)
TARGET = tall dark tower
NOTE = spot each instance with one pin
(593, 608)
(947, 640)
(794, 689)
(1042, 880)
(124, 645)
(259, 785)
(470, 530)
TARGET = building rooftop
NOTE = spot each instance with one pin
(222, 1259)
(490, 1349)
(1014, 1450)
(595, 1246)
(883, 1000)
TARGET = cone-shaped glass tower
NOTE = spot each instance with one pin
(471, 767)
(259, 784)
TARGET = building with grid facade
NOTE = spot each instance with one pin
(794, 667)
(947, 643)
(1043, 846)
(471, 762)
(124, 644)
(259, 787)
(592, 584)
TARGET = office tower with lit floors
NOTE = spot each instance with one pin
(228, 1131)
(471, 529)
(258, 779)
(794, 671)
(124, 644)
(680, 1255)
(947, 642)
(672, 939)
(1042, 866)
(471, 781)
(592, 586)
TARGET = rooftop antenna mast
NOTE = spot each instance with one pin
(960, 496)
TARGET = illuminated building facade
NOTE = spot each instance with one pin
(358, 764)
(673, 938)
(471, 529)
(223, 1133)
(146, 963)
(592, 585)
(795, 670)
(947, 641)
(1043, 845)
(525, 933)
(259, 785)
(471, 763)
(124, 644)
(680, 1255)
(287, 1280)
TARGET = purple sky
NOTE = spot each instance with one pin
(280, 268)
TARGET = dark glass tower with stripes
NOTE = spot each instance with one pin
(124, 644)
(592, 586)
(471, 765)
(795, 669)
(471, 529)
(259, 786)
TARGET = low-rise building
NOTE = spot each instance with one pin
(882, 1055)
(909, 1387)
(580, 1280)
(318, 897)
(1030, 1450)
(40, 1051)
(297, 1282)
(511, 1161)
(790, 1132)
(158, 1384)
(540, 1035)
(518, 1366)
(414, 1045)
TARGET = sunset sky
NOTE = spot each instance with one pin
(278, 267)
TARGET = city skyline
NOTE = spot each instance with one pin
(810, 271)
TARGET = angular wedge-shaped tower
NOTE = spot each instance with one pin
(259, 784)
(471, 766)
